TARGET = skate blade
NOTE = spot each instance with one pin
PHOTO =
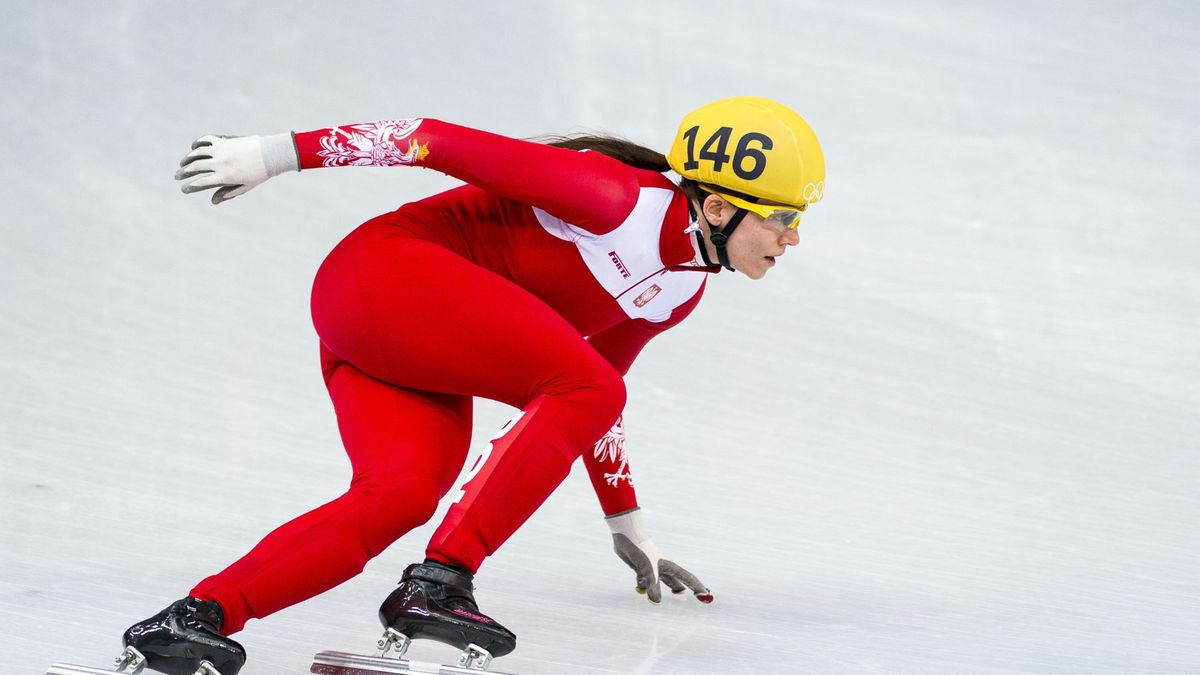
(341, 663)
(68, 669)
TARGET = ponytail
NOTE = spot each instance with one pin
(628, 152)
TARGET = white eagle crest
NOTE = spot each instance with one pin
(611, 448)
(372, 144)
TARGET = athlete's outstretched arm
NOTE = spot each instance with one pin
(608, 468)
(586, 189)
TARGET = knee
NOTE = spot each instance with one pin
(387, 513)
(597, 393)
(610, 394)
(410, 504)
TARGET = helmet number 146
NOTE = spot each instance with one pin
(743, 154)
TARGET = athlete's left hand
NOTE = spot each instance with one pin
(651, 565)
(234, 165)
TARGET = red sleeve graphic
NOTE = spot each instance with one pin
(587, 189)
(607, 463)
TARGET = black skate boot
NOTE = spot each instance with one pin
(434, 601)
(184, 636)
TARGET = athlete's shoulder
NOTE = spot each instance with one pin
(648, 178)
(642, 178)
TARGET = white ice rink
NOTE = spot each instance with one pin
(955, 431)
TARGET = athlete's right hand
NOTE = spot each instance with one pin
(636, 549)
(235, 164)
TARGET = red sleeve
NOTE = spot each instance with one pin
(608, 464)
(586, 189)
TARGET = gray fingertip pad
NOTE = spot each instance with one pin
(188, 159)
(671, 569)
(189, 188)
(635, 558)
(183, 174)
(223, 195)
(676, 586)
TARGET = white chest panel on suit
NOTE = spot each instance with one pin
(627, 262)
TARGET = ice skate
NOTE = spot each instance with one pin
(183, 639)
(432, 602)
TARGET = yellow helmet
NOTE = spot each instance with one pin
(752, 147)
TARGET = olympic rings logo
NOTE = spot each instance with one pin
(814, 191)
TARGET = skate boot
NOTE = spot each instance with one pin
(434, 601)
(185, 639)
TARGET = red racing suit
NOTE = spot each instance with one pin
(536, 284)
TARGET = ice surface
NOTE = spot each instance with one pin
(955, 431)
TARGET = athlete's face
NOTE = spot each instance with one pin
(756, 243)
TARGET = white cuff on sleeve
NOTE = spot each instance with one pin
(279, 154)
(629, 524)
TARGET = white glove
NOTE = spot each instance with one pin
(235, 164)
(638, 550)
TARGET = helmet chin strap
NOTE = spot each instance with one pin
(719, 238)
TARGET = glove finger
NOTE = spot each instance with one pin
(653, 592)
(194, 169)
(205, 181)
(202, 148)
(647, 584)
(690, 580)
(194, 156)
(205, 140)
(676, 585)
(647, 577)
(184, 175)
(626, 558)
(229, 192)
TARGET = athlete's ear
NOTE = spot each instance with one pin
(712, 208)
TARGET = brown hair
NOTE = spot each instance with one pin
(628, 152)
